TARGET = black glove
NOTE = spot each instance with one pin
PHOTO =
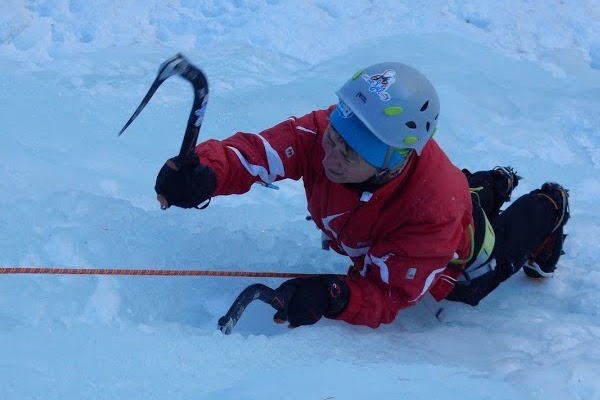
(185, 182)
(303, 301)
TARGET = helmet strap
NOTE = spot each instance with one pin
(381, 177)
(388, 158)
(384, 173)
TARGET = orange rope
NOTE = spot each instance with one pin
(146, 272)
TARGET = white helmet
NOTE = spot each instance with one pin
(384, 111)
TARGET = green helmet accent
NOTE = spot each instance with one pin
(397, 103)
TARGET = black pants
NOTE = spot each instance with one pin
(520, 229)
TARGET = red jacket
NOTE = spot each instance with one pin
(400, 237)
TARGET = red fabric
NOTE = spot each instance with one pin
(400, 239)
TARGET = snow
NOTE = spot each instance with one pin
(519, 84)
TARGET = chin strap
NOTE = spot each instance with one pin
(380, 173)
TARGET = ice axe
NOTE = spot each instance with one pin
(179, 65)
(253, 292)
(278, 299)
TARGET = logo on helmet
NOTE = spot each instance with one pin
(379, 83)
(344, 110)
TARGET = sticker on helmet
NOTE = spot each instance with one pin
(379, 83)
(344, 110)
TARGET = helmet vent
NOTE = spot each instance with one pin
(427, 126)
(424, 106)
(411, 124)
(437, 115)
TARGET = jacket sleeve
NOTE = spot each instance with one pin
(394, 276)
(283, 151)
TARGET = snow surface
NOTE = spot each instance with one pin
(519, 83)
